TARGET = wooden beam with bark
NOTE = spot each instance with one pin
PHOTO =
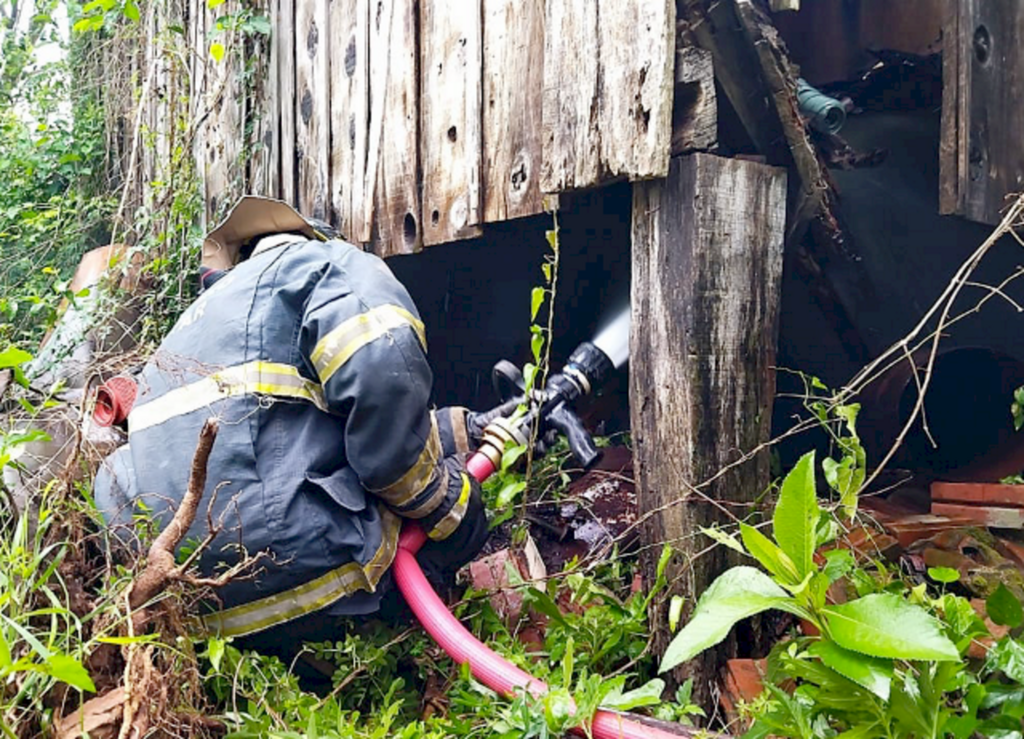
(707, 267)
(755, 73)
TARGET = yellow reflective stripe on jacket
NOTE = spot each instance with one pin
(447, 525)
(313, 595)
(338, 346)
(265, 378)
(404, 490)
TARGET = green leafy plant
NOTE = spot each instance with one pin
(881, 643)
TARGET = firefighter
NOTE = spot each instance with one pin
(312, 356)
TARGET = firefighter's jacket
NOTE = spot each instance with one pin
(312, 357)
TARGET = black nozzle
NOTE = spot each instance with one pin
(592, 363)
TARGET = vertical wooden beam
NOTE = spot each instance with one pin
(312, 124)
(271, 107)
(223, 126)
(513, 58)
(450, 142)
(286, 104)
(349, 70)
(608, 82)
(396, 203)
(707, 265)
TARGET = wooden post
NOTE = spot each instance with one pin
(707, 264)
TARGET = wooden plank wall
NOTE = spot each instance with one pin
(408, 123)
(981, 156)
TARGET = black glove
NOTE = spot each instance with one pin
(477, 422)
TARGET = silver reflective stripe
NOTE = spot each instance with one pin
(262, 378)
(311, 596)
(338, 346)
(447, 525)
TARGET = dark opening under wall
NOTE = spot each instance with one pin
(474, 297)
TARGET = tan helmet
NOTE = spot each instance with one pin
(252, 216)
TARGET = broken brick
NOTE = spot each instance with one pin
(980, 646)
(977, 493)
(741, 683)
(993, 516)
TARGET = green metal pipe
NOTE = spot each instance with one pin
(825, 113)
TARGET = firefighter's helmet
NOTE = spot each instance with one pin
(251, 218)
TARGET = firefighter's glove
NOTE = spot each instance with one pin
(459, 525)
(477, 422)
(461, 429)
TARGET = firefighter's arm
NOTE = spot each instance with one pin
(369, 354)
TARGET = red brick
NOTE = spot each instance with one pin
(910, 529)
(1012, 549)
(994, 516)
(980, 493)
(979, 647)
(741, 681)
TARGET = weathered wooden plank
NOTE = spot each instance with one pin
(948, 137)
(286, 106)
(608, 83)
(271, 107)
(695, 107)
(450, 135)
(513, 74)
(312, 123)
(707, 266)
(224, 130)
(991, 75)
(755, 73)
(396, 218)
(349, 70)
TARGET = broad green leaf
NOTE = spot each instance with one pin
(215, 651)
(510, 492)
(217, 51)
(885, 625)
(536, 301)
(648, 694)
(13, 356)
(944, 575)
(769, 555)
(723, 538)
(546, 269)
(552, 237)
(1007, 656)
(536, 345)
(870, 673)
(796, 516)
(1004, 608)
(131, 10)
(838, 562)
(69, 670)
(737, 594)
(511, 455)
(542, 602)
(826, 530)
(5, 651)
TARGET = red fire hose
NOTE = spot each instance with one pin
(492, 670)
